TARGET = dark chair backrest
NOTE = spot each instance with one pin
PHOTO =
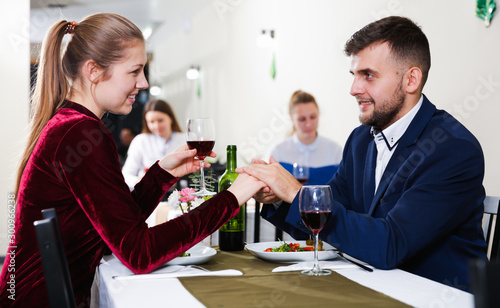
(492, 227)
(256, 223)
(55, 266)
(485, 283)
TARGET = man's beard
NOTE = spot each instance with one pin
(386, 111)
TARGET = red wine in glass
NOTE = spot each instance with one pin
(200, 135)
(203, 148)
(301, 173)
(302, 180)
(315, 220)
(315, 208)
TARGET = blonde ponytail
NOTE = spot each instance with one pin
(49, 93)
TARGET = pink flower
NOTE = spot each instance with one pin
(185, 195)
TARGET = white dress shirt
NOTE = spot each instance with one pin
(388, 139)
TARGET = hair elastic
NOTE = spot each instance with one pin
(70, 28)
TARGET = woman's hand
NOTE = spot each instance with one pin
(244, 187)
(182, 162)
(280, 182)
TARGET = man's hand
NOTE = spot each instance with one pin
(281, 184)
(244, 187)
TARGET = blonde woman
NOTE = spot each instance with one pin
(306, 147)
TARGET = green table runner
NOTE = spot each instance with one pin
(259, 287)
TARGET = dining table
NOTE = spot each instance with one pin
(241, 279)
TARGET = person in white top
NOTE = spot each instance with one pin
(305, 147)
(161, 135)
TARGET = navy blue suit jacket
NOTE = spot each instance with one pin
(426, 214)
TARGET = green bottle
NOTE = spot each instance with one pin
(232, 234)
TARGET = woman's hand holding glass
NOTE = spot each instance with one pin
(183, 161)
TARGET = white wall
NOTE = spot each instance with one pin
(250, 108)
(14, 86)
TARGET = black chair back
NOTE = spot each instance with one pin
(485, 283)
(55, 266)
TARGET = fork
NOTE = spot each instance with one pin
(174, 271)
(197, 267)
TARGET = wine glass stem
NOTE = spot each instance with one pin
(316, 263)
(202, 174)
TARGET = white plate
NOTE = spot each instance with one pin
(199, 254)
(257, 249)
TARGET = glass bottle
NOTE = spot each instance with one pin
(232, 234)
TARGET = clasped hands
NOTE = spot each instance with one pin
(266, 182)
(281, 185)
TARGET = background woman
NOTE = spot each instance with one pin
(161, 135)
(71, 163)
(305, 147)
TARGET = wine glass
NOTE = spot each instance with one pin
(301, 173)
(315, 206)
(200, 135)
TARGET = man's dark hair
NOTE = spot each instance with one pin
(407, 42)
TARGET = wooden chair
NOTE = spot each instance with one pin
(492, 227)
(55, 266)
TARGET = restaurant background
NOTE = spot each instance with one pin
(236, 86)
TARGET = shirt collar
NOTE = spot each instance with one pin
(394, 132)
(305, 147)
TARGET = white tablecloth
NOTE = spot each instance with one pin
(403, 286)
(139, 293)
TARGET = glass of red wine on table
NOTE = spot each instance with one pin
(315, 206)
(200, 135)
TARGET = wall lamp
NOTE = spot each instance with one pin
(193, 73)
(265, 39)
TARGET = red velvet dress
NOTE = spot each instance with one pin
(74, 168)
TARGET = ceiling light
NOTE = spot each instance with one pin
(193, 73)
(147, 32)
